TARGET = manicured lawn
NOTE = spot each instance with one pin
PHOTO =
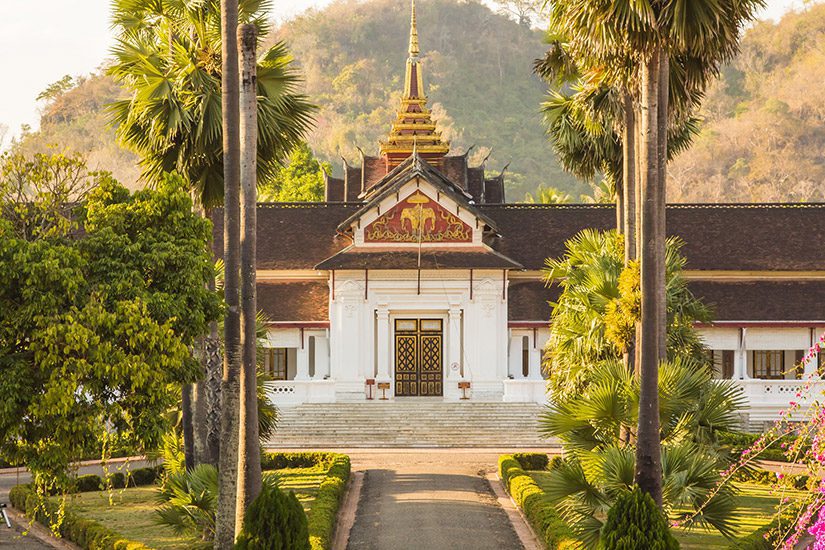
(132, 514)
(757, 507)
(132, 510)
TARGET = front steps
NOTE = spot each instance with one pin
(409, 423)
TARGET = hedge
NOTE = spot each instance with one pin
(86, 533)
(739, 441)
(531, 499)
(532, 461)
(331, 492)
(800, 482)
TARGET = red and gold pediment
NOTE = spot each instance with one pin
(418, 218)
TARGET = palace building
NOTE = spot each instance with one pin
(415, 278)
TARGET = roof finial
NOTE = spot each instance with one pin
(413, 33)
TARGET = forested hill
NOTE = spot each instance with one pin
(764, 133)
(477, 69)
(763, 138)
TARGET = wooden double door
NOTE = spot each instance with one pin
(419, 364)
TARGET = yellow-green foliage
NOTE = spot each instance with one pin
(86, 533)
(621, 314)
(530, 498)
(325, 506)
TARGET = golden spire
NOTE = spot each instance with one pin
(413, 33)
(413, 130)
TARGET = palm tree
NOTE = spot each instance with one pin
(168, 54)
(226, 519)
(249, 463)
(598, 463)
(693, 37)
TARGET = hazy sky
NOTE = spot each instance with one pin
(42, 41)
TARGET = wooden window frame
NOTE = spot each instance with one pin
(770, 369)
(273, 353)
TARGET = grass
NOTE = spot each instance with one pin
(131, 512)
(757, 507)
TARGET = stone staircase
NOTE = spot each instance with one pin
(413, 423)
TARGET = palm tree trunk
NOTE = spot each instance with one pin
(648, 473)
(212, 390)
(629, 179)
(188, 424)
(249, 463)
(230, 384)
(629, 210)
(661, 220)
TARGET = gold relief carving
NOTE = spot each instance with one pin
(418, 218)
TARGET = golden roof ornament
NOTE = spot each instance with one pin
(413, 130)
(414, 51)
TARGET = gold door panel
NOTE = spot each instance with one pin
(419, 357)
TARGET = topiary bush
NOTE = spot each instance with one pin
(634, 522)
(532, 461)
(274, 521)
(90, 482)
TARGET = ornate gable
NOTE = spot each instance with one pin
(418, 219)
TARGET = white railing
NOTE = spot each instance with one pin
(295, 392)
(766, 398)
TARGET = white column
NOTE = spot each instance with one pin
(534, 366)
(321, 357)
(514, 357)
(383, 343)
(302, 360)
(740, 358)
(453, 343)
(811, 365)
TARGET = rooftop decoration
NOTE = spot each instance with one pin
(413, 129)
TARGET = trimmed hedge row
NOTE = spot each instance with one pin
(279, 461)
(331, 492)
(739, 441)
(544, 519)
(117, 480)
(86, 533)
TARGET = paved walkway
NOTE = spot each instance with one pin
(429, 499)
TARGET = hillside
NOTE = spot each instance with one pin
(763, 137)
(477, 66)
(764, 133)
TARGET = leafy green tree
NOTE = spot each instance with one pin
(594, 316)
(596, 399)
(104, 292)
(301, 180)
(658, 40)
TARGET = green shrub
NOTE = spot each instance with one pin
(89, 482)
(634, 522)
(532, 461)
(145, 476)
(116, 480)
(327, 501)
(765, 477)
(279, 461)
(532, 501)
(274, 521)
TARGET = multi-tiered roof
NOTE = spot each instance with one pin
(413, 133)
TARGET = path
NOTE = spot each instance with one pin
(429, 499)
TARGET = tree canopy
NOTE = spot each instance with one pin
(104, 293)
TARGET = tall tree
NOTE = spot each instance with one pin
(168, 55)
(103, 294)
(225, 521)
(249, 463)
(657, 41)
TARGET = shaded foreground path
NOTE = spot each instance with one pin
(430, 499)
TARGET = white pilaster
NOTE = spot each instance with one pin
(321, 357)
(383, 343)
(453, 343)
(740, 358)
(534, 372)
